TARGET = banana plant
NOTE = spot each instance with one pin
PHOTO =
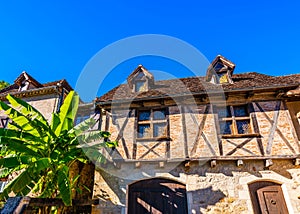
(41, 153)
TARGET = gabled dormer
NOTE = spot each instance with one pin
(140, 80)
(220, 71)
(26, 82)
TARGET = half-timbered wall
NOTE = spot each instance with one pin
(194, 133)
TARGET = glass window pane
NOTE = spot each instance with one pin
(243, 126)
(159, 114)
(240, 111)
(144, 131)
(225, 127)
(218, 66)
(223, 111)
(144, 115)
(159, 129)
(81, 118)
(140, 86)
(223, 78)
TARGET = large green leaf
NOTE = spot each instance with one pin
(64, 185)
(10, 162)
(21, 120)
(92, 136)
(55, 121)
(67, 113)
(26, 109)
(19, 135)
(41, 164)
(83, 126)
(19, 146)
(30, 113)
(21, 181)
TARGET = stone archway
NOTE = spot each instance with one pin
(157, 196)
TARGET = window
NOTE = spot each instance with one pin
(140, 86)
(223, 78)
(2, 185)
(4, 122)
(152, 123)
(218, 66)
(81, 118)
(24, 86)
(234, 120)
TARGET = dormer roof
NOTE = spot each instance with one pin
(140, 73)
(220, 70)
(24, 76)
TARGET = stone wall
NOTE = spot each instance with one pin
(46, 104)
(222, 189)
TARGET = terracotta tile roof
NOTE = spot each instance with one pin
(195, 85)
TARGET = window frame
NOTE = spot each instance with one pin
(141, 88)
(4, 122)
(234, 119)
(152, 122)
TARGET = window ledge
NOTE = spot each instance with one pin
(240, 135)
(153, 139)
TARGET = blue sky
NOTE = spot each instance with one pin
(53, 40)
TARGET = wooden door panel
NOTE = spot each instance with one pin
(271, 200)
(157, 196)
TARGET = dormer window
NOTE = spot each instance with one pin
(220, 71)
(140, 80)
(26, 82)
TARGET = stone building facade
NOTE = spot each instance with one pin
(224, 143)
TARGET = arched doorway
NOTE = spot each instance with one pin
(267, 197)
(157, 196)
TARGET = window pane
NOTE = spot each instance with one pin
(223, 112)
(140, 86)
(240, 111)
(144, 131)
(218, 66)
(144, 115)
(81, 118)
(159, 114)
(225, 127)
(243, 126)
(159, 129)
(223, 78)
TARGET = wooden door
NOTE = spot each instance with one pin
(157, 196)
(271, 200)
(267, 198)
